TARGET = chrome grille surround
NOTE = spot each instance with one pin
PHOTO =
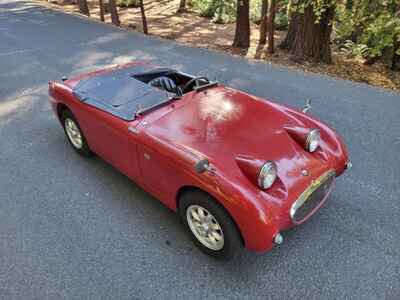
(327, 178)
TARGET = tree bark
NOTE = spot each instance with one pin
(242, 32)
(101, 8)
(307, 40)
(263, 23)
(182, 6)
(144, 20)
(396, 41)
(291, 33)
(271, 27)
(395, 62)
(83, 7)
(114, 13)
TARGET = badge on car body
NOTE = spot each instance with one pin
(304, 172)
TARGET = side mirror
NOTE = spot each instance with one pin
(202, 166)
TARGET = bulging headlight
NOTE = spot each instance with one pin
(312, 140)
(267, 175)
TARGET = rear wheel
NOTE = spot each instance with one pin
(74, 133)
(209, 225)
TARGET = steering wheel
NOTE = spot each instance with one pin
(195, 80)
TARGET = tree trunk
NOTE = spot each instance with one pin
(396, 41)
(395, 58)
(83, 7)
(263, 22)
(242, 32)
(182, 6)
(144, 20)
(271, 26)
(307, 40)
(114, 13)
(291, 33)
(101, 8)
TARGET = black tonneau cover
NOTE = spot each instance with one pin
(119, 93)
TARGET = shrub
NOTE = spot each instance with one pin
(369, 29)
(220, 11)
(281, 20)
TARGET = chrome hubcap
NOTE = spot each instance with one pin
(205, 227)
(73, 133)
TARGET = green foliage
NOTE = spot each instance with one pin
(319, 7)
(220, 11)
(344, 25)
(281, 20)
(255, 11)
(373, 26)
(128, 3)
(353, 49)
(224, 11)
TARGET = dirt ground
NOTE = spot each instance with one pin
(191, 29)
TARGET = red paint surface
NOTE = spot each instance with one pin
(229, 128)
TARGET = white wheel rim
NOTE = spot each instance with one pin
(73, 133)
(205, 227)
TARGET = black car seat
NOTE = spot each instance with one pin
(165, 83)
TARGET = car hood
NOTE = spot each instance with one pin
(223, 124)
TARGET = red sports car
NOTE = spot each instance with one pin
(238, 169)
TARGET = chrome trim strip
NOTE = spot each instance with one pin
(308, 191)
(133, 129)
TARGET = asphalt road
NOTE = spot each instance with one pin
(73, 228)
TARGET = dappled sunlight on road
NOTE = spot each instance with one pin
(13, 106)
(19, 103)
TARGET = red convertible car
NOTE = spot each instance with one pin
(238, 169)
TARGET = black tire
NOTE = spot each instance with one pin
(84, 150)
(231, 236)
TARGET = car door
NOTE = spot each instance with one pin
(159, 175)
(110, 138)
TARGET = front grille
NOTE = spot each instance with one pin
(312, 197)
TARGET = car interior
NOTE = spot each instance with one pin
(125, 93)
(172, 81)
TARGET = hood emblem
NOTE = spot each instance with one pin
(304, 172)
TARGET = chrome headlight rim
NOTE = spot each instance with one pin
(268, 169)
(312, 140)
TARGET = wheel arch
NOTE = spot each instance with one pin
(187, 188)
(60, 108)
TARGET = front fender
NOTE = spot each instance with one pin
(331, 142)
(248, 209)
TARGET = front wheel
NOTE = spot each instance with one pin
(74, 133)
(209, 225)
